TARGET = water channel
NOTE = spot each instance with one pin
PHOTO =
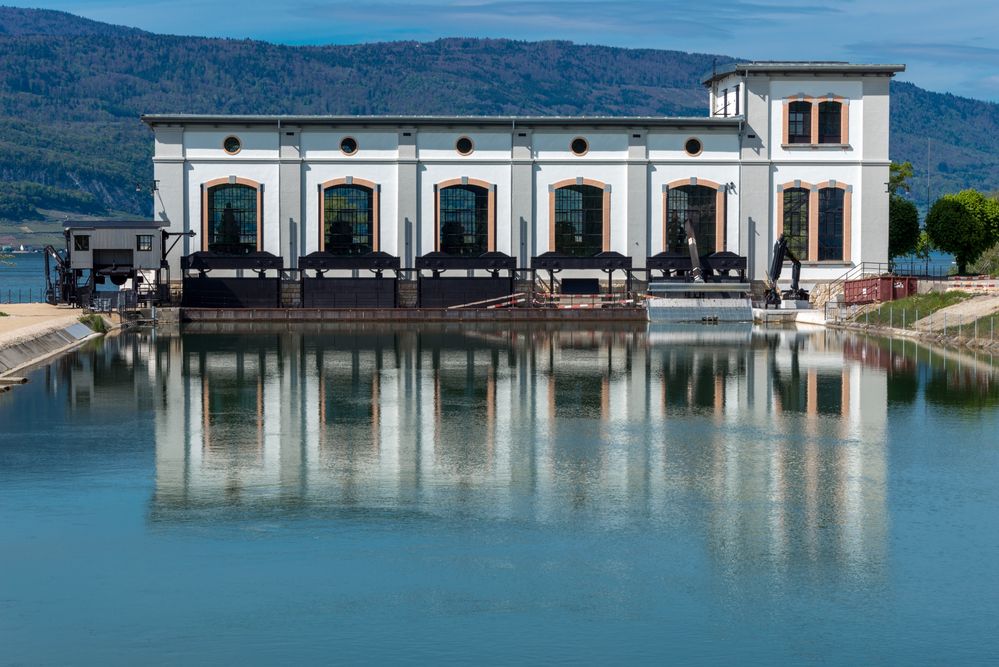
(499, 495)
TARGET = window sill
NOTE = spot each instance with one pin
(828, 147)
(827, 263)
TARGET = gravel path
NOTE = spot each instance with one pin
(960, 313)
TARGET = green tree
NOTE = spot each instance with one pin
(985, 209)
(952, 228)
(899, 174)
(903, 227)
(923, 246)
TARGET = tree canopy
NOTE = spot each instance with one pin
(903, 227)
(963, 224)
(899, 174)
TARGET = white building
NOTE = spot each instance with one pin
(788, 147)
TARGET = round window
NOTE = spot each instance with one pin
(348, 145)
(693, 146)
(464, 146)
(232, 145)
(579, 146)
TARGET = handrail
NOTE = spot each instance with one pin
(856, 272)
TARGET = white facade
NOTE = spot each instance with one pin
(744, 155)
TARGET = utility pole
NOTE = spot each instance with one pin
(927, 176)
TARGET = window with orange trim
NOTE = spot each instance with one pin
(696, 204)
(830, 122)
(232, 219)
(464, 220)
(579, 220)
(796, 221)
(348, 215)
(830, 230)
(799, 123)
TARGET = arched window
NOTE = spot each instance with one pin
(796, 221)
(697, 204)
(231, 223)
(831, 227)
(348, 219)
(579, 220)
(830, 122)
(799, 122)
(464, 218)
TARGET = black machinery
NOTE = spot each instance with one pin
(64, 288)
(773, 295)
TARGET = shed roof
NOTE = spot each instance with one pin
(115, 224)
(814, 67)
(511, 122)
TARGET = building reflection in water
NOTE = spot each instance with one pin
(773, 441)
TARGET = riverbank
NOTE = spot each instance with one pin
(33, 332)
(953, 319)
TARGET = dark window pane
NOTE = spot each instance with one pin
(693, 146)
(579, 220)
(464, 220)
(348, 145)
(696, 203)
(232, 219)
(829, 122)
(144, 242)
(799, 123)
(232, 145)
(81, 243)
(831, 223)
(464, 145)
(348, 219)
(796, 221)
(580, 146)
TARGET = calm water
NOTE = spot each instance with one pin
(22, 278)
(484, 495)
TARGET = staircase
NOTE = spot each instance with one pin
(824, 293)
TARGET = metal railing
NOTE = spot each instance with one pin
(113, 302)
(20, 295)
(888, 315)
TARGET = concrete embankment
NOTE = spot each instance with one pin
(970, 323)
(34, 332)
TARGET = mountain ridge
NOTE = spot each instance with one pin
(72, 91)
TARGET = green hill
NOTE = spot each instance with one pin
(72, 90)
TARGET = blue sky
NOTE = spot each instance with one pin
(948, 46)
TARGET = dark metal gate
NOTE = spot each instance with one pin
(348, 292)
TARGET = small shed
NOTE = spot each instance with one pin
(107, 254)
(114, 248)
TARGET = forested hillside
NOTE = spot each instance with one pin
(72, 90)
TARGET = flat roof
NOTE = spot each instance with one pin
(114, 224)
(803, 67)
(443, 121)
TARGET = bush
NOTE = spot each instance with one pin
(95, 322)
(987, 263)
